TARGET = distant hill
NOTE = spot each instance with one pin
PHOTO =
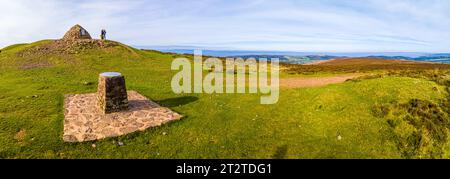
(435, 58)
(364, 65)
(309, 57)
(370, 61)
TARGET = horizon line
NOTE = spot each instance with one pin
(181, 47)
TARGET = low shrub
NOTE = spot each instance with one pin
(420, 127)
(380, 110)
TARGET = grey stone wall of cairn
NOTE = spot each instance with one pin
(112, 93)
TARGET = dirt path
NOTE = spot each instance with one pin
(302, 82)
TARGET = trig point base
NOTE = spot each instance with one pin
(112, 93)
(111, 112)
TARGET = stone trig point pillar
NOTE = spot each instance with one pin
(112, 93)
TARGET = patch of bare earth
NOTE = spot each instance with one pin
(305, 82)
(33, 65)
(20, 136)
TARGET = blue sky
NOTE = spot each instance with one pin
(285, 25)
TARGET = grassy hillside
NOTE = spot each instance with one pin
(335, 121)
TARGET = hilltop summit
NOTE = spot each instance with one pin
(76, 40)
(76, 33)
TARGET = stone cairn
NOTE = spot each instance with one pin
(76, 33)
(112, 93)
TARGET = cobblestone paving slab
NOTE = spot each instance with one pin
(85, 122)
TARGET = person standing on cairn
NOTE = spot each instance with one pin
(103, 34)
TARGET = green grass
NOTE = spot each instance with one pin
(305, 123)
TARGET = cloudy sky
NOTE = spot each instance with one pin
(286, 25)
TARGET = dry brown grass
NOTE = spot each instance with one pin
(352, 65)
(20, 136)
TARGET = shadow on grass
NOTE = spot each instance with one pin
(281, 152)
(177, 102)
